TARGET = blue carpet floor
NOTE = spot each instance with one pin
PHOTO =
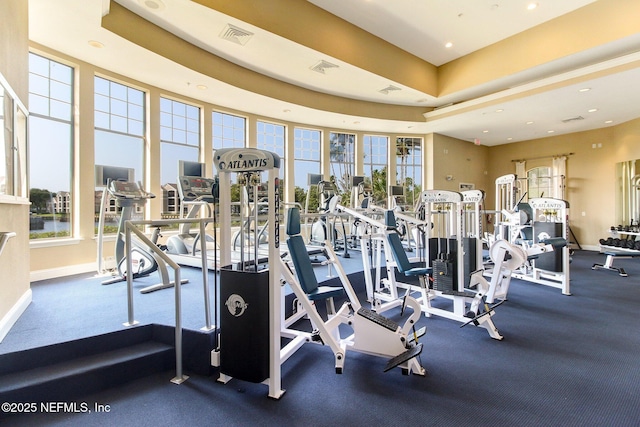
(565, 361)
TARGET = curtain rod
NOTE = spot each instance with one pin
(543, 157)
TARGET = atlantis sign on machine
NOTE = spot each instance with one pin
(245, 160)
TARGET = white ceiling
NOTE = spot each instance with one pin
(417, 26)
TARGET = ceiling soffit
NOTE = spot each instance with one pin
(137, 30)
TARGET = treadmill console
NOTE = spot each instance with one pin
(192, 188)
(126, 190)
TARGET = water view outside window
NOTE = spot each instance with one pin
(119, 135)
(50, 147)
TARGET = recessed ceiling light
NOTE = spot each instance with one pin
(152, 4)
(529, 123)
(448, 45)
(500, 110)
(96, 44)
(593, 110)
(550, 131)
(509, 139)
(202, 87)
(286, 111)
(532, 6)
(485, 131)
(609, 121)
(584, 89)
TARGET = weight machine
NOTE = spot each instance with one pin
(443, 278)
(252, 318)
(542, 220)
(371, 333)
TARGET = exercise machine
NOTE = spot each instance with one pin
(541, 220)
(251, 289)
(184, 248)
(129, 196)
(329, 226)
(441, 279)
(370, 332)
(445, 287)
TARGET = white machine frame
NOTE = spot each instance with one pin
(368, 335)
(251, 160)
(554, 211)
(385, 294)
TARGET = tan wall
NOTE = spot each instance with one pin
(14, 46)
(14, 212)
(463, 161)
(591, 172)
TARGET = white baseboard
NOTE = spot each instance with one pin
(70, 270)
(14, 314)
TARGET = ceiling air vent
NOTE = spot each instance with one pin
(573, 119)
(322, 67)
(235, 34)
(388, 89)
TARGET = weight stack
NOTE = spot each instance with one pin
(440, 245)
(444, 275)
(244, 324)
(550, 261)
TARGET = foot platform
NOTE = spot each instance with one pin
(403, 357)
(417, 334)
(474, 319)
(378, 319)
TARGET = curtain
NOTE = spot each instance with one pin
(521, 180)
(558, 174)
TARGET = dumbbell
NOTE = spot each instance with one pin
(637, 247)
(631, 244)
(616, 242)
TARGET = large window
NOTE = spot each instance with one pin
(409, 169)
(342, 161)
(539, 182)
(375, 165)
(50, 147)
(270, 137)
(179, 140)
(119, 130)
(228, 130)
(306, 166)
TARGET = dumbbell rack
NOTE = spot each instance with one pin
(613, 252)
(616, 233)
